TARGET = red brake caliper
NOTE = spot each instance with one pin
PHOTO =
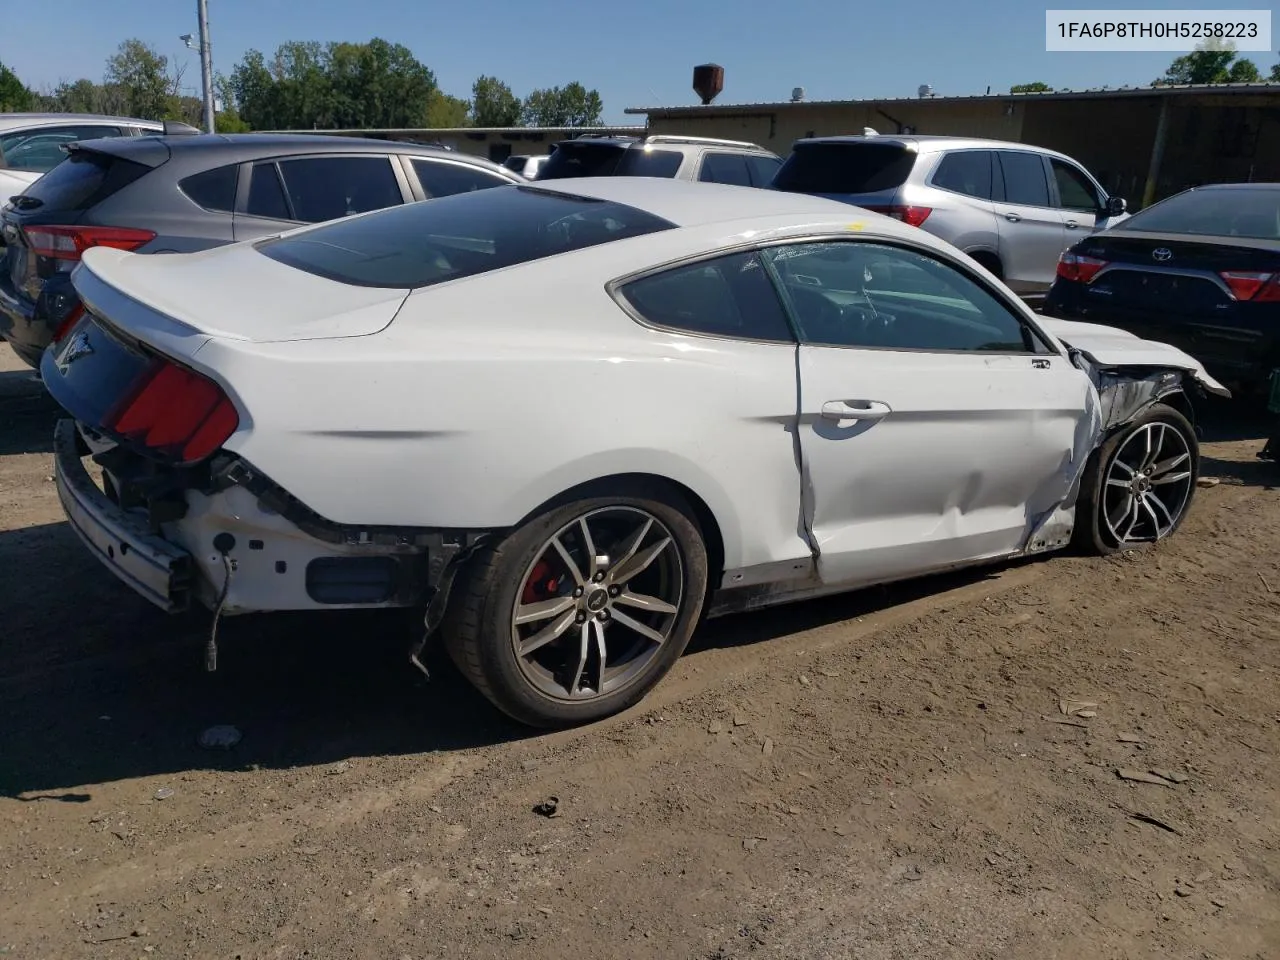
(538, 587)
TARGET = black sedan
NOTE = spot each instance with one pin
(1200, 270)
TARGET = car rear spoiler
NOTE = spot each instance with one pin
(176, 128)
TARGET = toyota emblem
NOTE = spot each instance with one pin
(1162, 254)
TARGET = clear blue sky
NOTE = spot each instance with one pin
(634, 53)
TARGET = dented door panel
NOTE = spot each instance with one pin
(975, 452)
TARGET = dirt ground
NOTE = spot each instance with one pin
(883, 775)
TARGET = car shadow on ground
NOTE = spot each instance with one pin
(27, 415)
(1226, 422)
(97, 686)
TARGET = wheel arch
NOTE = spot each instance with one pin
(989, 260)
(646, 483)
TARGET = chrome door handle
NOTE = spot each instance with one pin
(1012, 217)
(1071, 224)
(855, 410)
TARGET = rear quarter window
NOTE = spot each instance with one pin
(421, 244)
(854, 167)
(214, 189)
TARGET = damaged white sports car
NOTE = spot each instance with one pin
(572, 419)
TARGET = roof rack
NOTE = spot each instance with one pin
(681, 138)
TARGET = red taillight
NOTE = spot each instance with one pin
(176, 412)
(1073, 266)
(912, 216)
(69, 243)
(68, 322)
(1252, 286)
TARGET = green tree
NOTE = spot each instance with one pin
(1211, 62)
(253, 91)
(1275, 73)
(568, 106)
(1038, 86)
(228, 119)
(141, 74)
(309, 86)
(14, 95)
(493, 104)
(446, 111)
(377, 84)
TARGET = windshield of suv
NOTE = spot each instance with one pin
(595, 159)
(851, 167)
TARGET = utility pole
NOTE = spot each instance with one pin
(206, 67)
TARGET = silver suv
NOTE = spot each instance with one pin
(664, 155)
(1012, 207)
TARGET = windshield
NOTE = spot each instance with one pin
(852, 167)
(1252, 212)
(434, 241)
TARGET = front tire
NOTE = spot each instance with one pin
(579, 612)
(1139, 484)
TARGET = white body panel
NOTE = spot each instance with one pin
(470, 404)
(966, 454)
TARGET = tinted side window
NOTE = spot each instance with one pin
(637, 162)
(266, 196)
(876, 296)
(442, 179)
(763, 170)
(214, 189)
(727, 297)
(1024, 180)
(725, 168)
(967, 172)
(1075, 192)
(326, 188)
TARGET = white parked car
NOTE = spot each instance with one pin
(574, 418)
(31, 143)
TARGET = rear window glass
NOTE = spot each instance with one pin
(609, 160)
(845, 168)
(83, 179)
(421, 244)
(1244, 212)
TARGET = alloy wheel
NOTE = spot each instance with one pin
(1148, 484)
(597, 604)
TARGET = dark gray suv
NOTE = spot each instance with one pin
(180, 194)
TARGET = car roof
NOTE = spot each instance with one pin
(1235, 186)
(18, 121)
(236, 147)
(929, 143)
(692, 204)
(669, 141)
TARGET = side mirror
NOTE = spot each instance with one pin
(1116, 206)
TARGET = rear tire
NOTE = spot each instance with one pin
(578, 613)
(1138, 486)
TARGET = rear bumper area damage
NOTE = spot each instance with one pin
(153, 567)
(229, 539)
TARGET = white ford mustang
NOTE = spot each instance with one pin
(571, 419)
